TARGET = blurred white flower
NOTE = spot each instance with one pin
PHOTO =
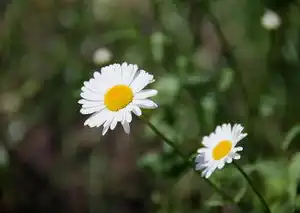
(270, 20)
(102, 56)
(16, 130)
(219, 148)
(114, 93)
(10, 102)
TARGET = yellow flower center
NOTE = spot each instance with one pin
(118, 97)
(221, 150)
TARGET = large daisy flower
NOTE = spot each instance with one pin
(112, 94)
(219, 148)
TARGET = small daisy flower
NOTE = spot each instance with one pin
(114, 93)
(270, 20)
(219, 148)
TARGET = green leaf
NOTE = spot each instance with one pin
(297, 202)
(150, 160)
(214, 202)
(294, 175)
(241, 192)
(274, 176)
(226, 79)
(157, 43)
(157, 119)
(168, 87)
(290, 136)
(176, 26)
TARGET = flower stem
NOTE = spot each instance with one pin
(262, 200)
(168, 141)
(186, 160)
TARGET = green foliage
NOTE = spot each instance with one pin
(290, 136)
(208, 70)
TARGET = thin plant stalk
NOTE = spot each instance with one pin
(186, 160)
(262, 200)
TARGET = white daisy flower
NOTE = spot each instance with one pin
(112, 94)
(219, 148)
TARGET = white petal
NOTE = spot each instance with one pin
(219, 129)
(221, 164)
(123, 117)
(146, 104)
(88, 86)
(200, 162)
(237, 133)
(134, 71)
(109, 78)
(199, 166)
(205, 171)
(227, 131)
(129, 71)
(202, 150)
(95, 85)
(128, 117)
(118, 73)
(93, 104)
(136, 110)
(88, 91)
(106, 126)
(145, 94)
(238, 149)
(207, 142)
(240, 137)
(91, 96)
(87, 103)
(125, 73)
(141, 81)
(97, 119)
(236, 156)
(126, 127)
(97, 75)
(113, 123)
(224, 133)
(228, 159)
(200, 158)
(105, 129)
(208, 171)
(91, 109)
(118, 115)
(235, 130)
(224, 127)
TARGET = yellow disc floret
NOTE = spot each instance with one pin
(118, 97)
(221, 149)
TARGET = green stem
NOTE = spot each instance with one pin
(168, 141)
(262, 200)
(186, 160)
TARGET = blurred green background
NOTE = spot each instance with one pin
(213, 61)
